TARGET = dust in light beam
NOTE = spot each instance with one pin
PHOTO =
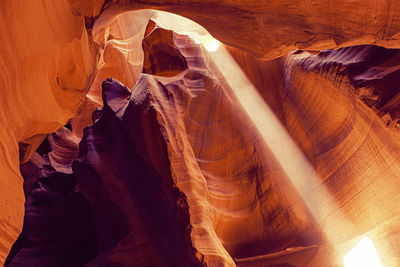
(299, 170)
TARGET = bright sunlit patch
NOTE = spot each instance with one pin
(363, 254)
(197, 41)
(210, 43)
(185, 26)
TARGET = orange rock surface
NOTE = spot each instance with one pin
(274, 28)
(339, 108)
(47, 62)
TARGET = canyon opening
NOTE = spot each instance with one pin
(200, 133)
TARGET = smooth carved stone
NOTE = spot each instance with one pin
(120, 54)
(233, 201)
(160, 194)
(236, 208)
(47, 61)
(270, 29)
(373, 71)
(59, 227)
(145, 217)
(352, 149)
(161, 57)
(331, 103)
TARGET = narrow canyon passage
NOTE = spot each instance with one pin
(135, 138)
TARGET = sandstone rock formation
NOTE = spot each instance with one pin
(175, 171)
(137, 152)
(47, 62)
(58, 219)
(355, 154)
(274, 28)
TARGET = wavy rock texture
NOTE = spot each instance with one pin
(120, 56)
(46, 64)
(371, 70)
(146, 216)
(234, 197)
(353, 150)
(271, 29)
(59, 227)
(340, 107)
(158, 190)
(76, 219)
(194, 145)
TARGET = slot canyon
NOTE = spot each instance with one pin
(200, 133)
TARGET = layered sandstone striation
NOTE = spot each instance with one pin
(353, 150)
(161, 194)
(59, 227)
(174, 171)
(47, 62)
(274, 28)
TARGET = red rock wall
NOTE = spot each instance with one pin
(47, 62)
(274, 28)
(54, 52)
